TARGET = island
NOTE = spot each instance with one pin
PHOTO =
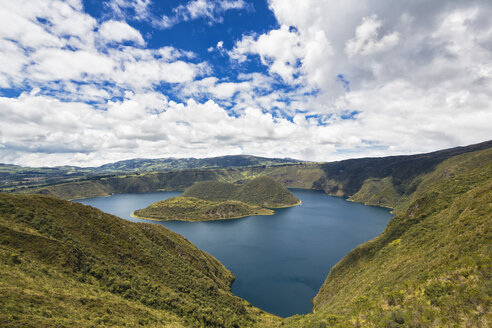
(215, 200)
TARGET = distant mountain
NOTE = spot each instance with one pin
(168, 164)
(383, 181)
(17, 178)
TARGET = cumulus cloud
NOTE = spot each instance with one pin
(410, 68)
(278, 49)
(67, 45)
(140, 125)
(114, 31)
(341, 79)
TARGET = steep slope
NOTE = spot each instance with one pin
(196, 209)
(431, 267)
(66, 264)
(384, 181)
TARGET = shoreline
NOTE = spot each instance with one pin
(133, 215)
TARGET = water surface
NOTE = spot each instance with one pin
(279, 261)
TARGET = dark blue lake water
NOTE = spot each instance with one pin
(279, 261)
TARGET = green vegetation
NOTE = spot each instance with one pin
(431, 267)
(66, 264)
(195, 209)
(169, 164)
(386, 181)
(213, 200)
(14, 178)
(71, 265)
(261, 191)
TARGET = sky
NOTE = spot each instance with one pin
(87, 82)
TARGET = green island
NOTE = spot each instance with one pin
(63, 264)
(214, 200)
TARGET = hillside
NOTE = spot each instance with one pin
(15, 178)
(431, 267)
(213, 200)
(195, 209)
(261, 191)
(385, 181)
(66, 264)
(169, 164)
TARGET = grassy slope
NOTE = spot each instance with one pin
(431, 267)
(260, 191)
(66, 264)
(138, 183)
(211, 190)
(195, 209)
(386, 181)
(14, 178)
(265, 191)
(212, 200)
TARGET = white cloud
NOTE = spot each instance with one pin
(365, 41)
(418, 72)
(114, 31)
(68, 46)
(279, 50)
(342, 79)
(140, 8)
(210, 10)
(57, 64)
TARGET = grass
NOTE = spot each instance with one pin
(215, 200)
(66, 264)
(431, 267)
(195, 209)
(261, 191)
(71, 265)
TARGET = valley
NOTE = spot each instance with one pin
(430, 267)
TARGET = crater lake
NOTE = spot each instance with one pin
(279, 261)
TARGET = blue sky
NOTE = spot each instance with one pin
(90, 82)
